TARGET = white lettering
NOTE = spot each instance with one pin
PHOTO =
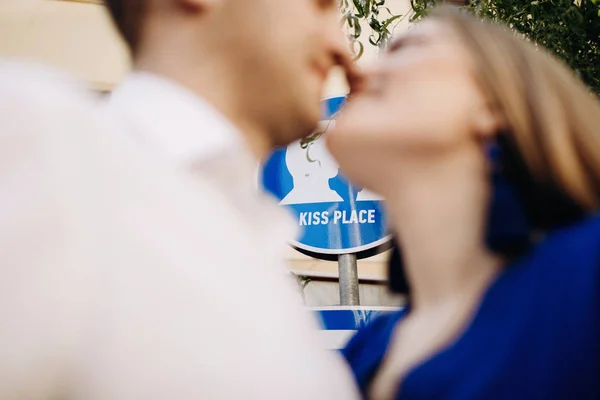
(362, 219)
(316, 218)
(302, 219)
(336, 216)
(341, 217)
(353, 217)
(371, 216)
(344, 220)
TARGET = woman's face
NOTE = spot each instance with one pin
(419, 101)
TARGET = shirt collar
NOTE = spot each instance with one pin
(172, 119)
(181, 125)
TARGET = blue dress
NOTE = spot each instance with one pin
(535, 335)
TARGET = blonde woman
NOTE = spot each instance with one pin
(487, 150)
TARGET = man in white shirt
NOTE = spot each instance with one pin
(216, 85)
(122, 278)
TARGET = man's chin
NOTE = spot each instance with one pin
(310, 126)
(301, 122)
(313, 116)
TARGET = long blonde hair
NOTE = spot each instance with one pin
(550, 118)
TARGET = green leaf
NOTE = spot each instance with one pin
(358, 53)
(374, 40)
(367, 7)
(357, 27)
(360, 12)
(375, 25)
(388, 21)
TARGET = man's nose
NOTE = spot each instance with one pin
(335, 39)
(338, 48)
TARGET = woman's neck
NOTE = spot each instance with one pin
(439, 214)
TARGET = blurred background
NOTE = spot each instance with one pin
(77, 36)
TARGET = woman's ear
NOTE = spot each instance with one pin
(488, 121)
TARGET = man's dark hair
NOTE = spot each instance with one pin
(128, 16)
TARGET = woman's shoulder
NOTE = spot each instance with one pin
(366, 350)
(565, 264)
(578, 244)
(587, 229)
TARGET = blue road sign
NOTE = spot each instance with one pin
(334, 216)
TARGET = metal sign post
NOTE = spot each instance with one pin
(348, 273)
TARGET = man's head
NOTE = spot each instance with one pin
(260, 61)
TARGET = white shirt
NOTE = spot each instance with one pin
(193, 136)
(181, 126)
(123, 278)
